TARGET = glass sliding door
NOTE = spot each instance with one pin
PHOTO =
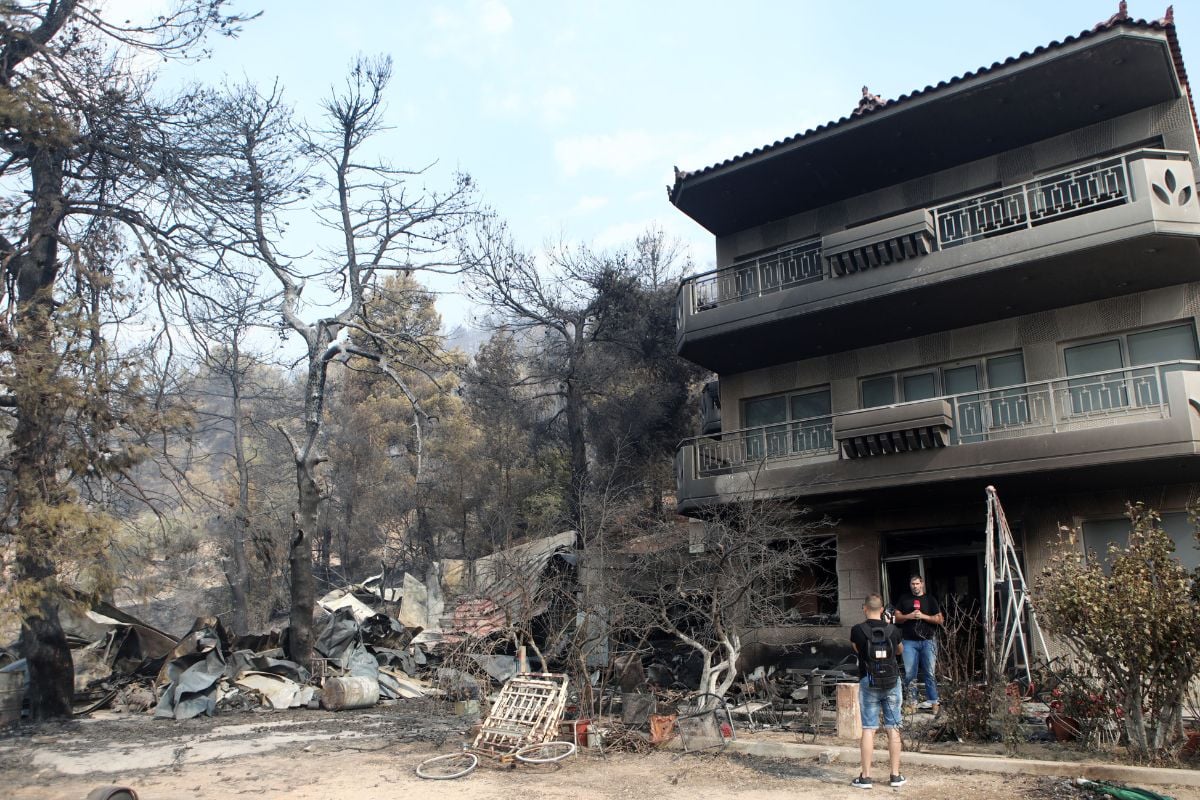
(968, 421)
(1097, 393)
(772, 439)
(1010, 408)
(1177, 343)
(812, 427)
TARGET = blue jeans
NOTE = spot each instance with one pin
(871, 701)
(920, 655)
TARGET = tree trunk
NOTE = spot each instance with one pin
(307, 518)
(303, 596)
(577, 445)
(427, 546)
(36, 447)
(44, 645)
(1135, 723)
(239, 581)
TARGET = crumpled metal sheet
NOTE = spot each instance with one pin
(241, 661)
(338, 637)
(401, 659)
(192, 687)
(343, 598)
(191, 672)
(280, 692)
(138, 649)
(340, 641)
(394, 684)
(499, 667)
(384, 631)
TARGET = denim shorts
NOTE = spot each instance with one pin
(871, 701)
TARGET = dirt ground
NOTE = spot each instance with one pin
(313, 755)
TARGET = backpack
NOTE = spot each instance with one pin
(880, 658)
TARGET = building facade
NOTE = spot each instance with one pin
(992, 281)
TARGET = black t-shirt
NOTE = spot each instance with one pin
(919, 628)
(860, 640)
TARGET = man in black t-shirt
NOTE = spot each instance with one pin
(875, 701)
(921, 616)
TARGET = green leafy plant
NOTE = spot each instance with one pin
(1136, 626)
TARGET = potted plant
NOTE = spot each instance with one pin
(1079, 708)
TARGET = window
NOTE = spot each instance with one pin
(975, 414)
(1102, 390)
(792, 424)
(1098, 534)
(878, 391)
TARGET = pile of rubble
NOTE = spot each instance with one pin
(360, 657)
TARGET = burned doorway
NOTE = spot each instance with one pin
(951, 560)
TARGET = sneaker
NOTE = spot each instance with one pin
(926, 705)
(861, 783)
(896, 781)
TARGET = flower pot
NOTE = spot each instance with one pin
(1191, 745)
(1064, 728)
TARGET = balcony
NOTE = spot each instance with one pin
(1062, 239)
(1119, 419)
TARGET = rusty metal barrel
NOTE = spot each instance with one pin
(12, 694)
(340, 694)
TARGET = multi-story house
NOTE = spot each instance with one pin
(991, 281)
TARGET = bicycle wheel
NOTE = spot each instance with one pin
(547, 753)
(447, 767)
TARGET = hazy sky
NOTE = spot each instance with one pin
(570, 115)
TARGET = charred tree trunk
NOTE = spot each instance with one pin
(576, 434)
(303, 595)
(36, 447)
(307, 519)
(239, 580)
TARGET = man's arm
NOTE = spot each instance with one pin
(900, 615)
(939, 618)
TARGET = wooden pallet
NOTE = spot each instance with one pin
(527, 712)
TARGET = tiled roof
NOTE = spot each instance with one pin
(877, 105)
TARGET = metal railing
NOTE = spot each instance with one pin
(1089, 187)
(780, 269)
(1079, 190)
(751, 446)
(1131, 394)
(1078, 402)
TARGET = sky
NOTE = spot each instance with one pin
(570, 115)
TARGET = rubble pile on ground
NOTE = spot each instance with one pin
(130, 666)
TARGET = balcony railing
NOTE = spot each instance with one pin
(1090, 187)
(741, 449)
(780, 269)
(1079, 190)
(1080, 402)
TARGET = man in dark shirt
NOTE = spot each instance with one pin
(872, 701)
(921, 615)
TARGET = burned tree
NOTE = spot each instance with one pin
(97, 171)
(734, 573)
(601, 331)
(380, 224)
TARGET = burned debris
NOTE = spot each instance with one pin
(461, 635)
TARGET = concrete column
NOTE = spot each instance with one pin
(849, 716)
